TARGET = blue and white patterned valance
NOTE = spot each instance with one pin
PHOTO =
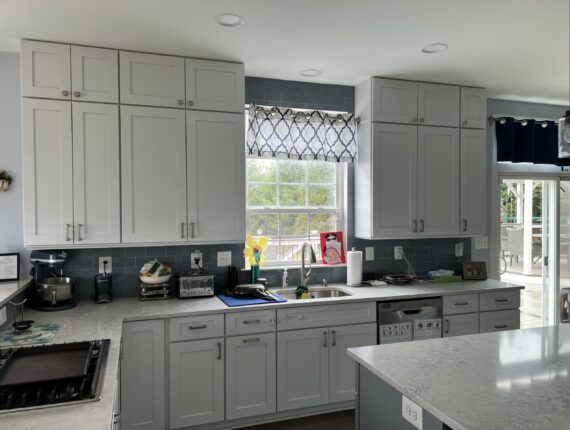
(275, 132)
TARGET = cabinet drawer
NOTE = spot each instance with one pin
(460, 304)
(198, 327)
(499, 320)
(322, 316)
(459, 325)
(250, 322)
(499, 300)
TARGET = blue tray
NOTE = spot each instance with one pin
(245, 301)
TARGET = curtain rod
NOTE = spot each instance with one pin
(503, 119)
(305, 113)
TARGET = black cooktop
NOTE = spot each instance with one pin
(51, 375)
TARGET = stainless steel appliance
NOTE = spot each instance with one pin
(51, 375)
(197, 283)
(407, 320)
(51, 291)
(103, 288)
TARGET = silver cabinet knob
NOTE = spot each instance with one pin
(65, 93)
(422, 119)
(76, 94)
(180, 102)
(464, 123)
(414, 119)
(190, 102)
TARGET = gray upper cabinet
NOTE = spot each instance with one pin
(152, 80)
(473, 182)
(473, 107)
(438, 105)
(215, 85)
(46, 70)
(94, 74)
(394, 101)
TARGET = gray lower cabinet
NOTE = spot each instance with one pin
(143, 376)
(196, 382)
(251, 368)
(459, 325)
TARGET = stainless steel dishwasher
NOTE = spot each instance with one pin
(406, 320)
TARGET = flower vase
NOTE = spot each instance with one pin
(254, 273)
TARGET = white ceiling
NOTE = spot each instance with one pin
(518, 49)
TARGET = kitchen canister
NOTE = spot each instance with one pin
(354, 268)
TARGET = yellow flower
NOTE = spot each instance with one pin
(253, 251)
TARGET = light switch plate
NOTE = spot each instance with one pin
(459, 249)
(369, 253)
(398, 253)
(3, 316)
(109, 261)
(196, 254)
(412, 413)
(481, 242)
(224, 258)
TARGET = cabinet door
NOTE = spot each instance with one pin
(341, 366)
(473, 182)
(196, 382)
(215, 85)
(302, 373)
(143, 376)
(47, 164)
(251, 368)
(216, 176)
(438, 105)
(153, 172)
(394, 101)
(152, 80)
(459, 325)
(45, 70)
(96, 182)
(473, 108)
(438, 181)
(394, 176)
(94, 74)
(499, 320)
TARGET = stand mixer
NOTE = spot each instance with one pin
(51, 291)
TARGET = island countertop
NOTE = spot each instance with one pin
(511, 380)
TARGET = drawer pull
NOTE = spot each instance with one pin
(501, 300)
(246, 322)
(501, 326)
(461, 303)
(219, 350)
(252, 340)
(197, 327)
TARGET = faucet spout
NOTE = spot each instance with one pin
(312, 259)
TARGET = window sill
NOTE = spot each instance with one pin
(298, 266)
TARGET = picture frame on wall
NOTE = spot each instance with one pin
(9, 267)
(475, 271)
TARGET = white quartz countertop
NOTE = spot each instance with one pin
(510, 380)
(89, 321)
(10, 289)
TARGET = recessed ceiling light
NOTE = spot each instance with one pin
(229, 20)
(434, 48)
(310, 73)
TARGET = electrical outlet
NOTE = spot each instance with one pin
(108, 267)
(481, 242)
(412, 413)
(398, 253)
(3, 316)
(224, 259)
(369, 253)
(196, 255)
(459, 249)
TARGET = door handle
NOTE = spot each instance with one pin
(67, 239)
(79, 239)
(464, 224)
(325, 344)
(415, 228)
(446, 326)
(252, 340)
(181, 230)
(219, 350)
(192, 235)
(421, 226)
(333, 338)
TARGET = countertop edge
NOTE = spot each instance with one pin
(21, 286)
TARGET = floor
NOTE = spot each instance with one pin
(343, 420)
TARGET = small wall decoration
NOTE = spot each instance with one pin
(9, 267)
(5, 180)
(475, 270)
(332, 247)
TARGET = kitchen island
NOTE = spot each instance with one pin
(510, 380)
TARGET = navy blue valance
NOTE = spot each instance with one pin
(528, 141)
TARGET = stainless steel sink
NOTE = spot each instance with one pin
(315, 292)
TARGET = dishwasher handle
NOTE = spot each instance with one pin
(411, 311)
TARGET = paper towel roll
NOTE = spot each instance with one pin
(354, 268)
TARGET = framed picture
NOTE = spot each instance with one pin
(475, 270)
(332, 247)
(9, 267)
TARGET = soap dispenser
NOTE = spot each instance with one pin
(285, 281)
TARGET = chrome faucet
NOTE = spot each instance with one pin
(312, 259)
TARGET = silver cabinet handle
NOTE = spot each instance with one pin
(180, 102)
(333, 333)
(116, 418)
(325, 344)
(65, 93)
(414, 119)
(246, 322)
(461, 303)
(190, 102)
(501, 326)
(67, 239)
(422, 119)
(464, 122)
(181, 230)
(79, 238)
(464, 224)
(252, 340)
(446, 326)
(421, 226)
(197, 327)
(219, 350)
(501, 300)
(415, 228)
(76, 94)
(192, 235)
